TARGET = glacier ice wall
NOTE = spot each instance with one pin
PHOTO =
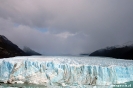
(63, 71)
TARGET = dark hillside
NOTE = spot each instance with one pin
(125, 52)
(8, 49)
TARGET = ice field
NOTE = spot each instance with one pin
(66, 71)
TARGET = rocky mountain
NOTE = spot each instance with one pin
(123, 52)
(9, 49)
(30, 51)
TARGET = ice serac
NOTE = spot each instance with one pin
(65, 71)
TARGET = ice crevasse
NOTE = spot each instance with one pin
(64, 70)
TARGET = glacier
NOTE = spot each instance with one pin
(65, 70)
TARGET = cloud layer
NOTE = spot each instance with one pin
(67, 27)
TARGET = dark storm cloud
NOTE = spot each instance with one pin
(70, 27)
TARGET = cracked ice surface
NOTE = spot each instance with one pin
(66, 70)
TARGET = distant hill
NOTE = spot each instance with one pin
(84, 54)
(30, 51)
(123, 52)
(9, 49)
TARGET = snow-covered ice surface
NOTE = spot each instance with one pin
(66, 71)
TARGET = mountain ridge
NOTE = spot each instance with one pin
(30, 51)
(121, 52)
(9, 49)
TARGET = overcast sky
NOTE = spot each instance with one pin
(55, 27)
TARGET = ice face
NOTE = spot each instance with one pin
(61, 70)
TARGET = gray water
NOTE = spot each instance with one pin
(124, 85)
